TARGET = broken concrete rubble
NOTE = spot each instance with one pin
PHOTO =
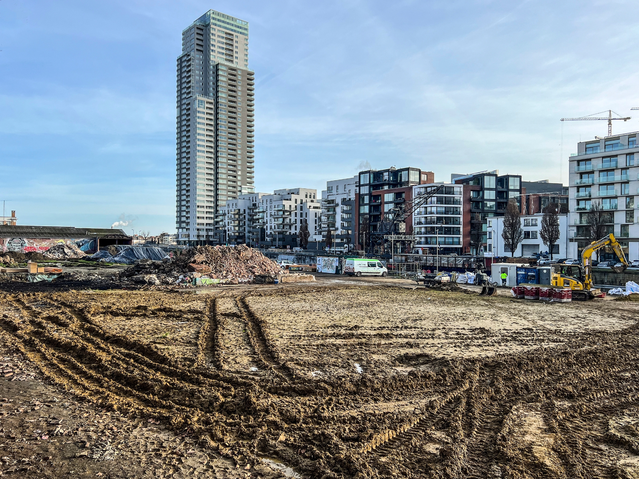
(64, 251)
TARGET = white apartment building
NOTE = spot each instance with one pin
(338, 216)
(439, 220)
(214, 116)
(532, 243)
(605, 172)
(273, 219)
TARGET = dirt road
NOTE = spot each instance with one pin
(353, 379)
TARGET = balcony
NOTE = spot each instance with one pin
(611, 166)
(614, 148)
(585, 181)
(586, 194)
(612, 179)
(584, 168)
(607, 193)
(609, 207)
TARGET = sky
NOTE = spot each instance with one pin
(87, 94)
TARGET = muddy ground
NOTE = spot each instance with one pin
(332, 379)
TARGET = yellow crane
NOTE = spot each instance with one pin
(584, 289)
(608, 118)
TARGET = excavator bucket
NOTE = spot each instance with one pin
(619, 269)
(488, 291)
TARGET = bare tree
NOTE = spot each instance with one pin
(550, 227)
(597, 219)
(513, 234)
(364, 232)
(329, 239)
(303, 234)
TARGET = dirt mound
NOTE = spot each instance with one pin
(228, 264)
(15, 257)
(64, 251)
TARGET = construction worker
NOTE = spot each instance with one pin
(504, 277)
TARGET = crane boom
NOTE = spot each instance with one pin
(609, 118)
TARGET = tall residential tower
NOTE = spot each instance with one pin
(214, 153)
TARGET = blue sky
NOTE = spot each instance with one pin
(87, 94)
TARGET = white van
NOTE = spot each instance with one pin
(360, 266)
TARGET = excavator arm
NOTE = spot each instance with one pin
(588, 251)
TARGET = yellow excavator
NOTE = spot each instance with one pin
(583, 289)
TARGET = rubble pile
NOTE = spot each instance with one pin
(64, 251)
(219, 264)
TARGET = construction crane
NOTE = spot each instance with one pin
(609, 118)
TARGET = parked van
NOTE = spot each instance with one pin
(363, 266)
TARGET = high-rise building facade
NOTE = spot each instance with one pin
(338, 216)
(215, 110)
(604, 189)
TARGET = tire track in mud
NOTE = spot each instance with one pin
(259, 341)
(208, 343)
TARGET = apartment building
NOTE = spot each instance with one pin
(380, 191)
(486, 196)
(604, 174)
(537, 195)
(215, 110)
(439, 221)
(338, 216)
(532, 242)
(262, 219)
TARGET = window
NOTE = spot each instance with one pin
(363, 209)
(609, 162)
(606, 190)
(609, 203)
(530, 222)
(630, 159)
(489, 194)
(489, 205)
(489, 181)
(584, 165)
(630, 216)
(364, 190)
(624, 231)
(388, 207)
(389, 197)
(583, 205)
(611, 145)
(606, 176)
(329, 189)
(513, 183)
(364, 178)
(530, 235)
(592, 148)
(414, 176)
(630, 202)
(632, 142)
(625, 189)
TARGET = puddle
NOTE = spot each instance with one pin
(280, 466)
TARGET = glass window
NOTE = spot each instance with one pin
(364, 178)
(625, 231)
(513, 183)
(388, 207)
(363, 209)
(414, 176)
(364, 190)
(605, 190)
(609, 203)
(389, 197)
(584, 165)
(606, 176)
(592, 147)
(630, 159)
(611, 145)
(489, 205)
(625, 189)
(489, 181)
(632, 141)
(630, 202)
(630, 216)
(609, 162)
(489, 194)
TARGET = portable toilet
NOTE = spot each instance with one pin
(509, 268)
(545, 274)
(527, 275)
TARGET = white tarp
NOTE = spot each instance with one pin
(631, 287)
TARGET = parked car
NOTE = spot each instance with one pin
(605, 264)
(634, 263)
(572, 261)
(544, 261)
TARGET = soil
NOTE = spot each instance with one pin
(354, 378)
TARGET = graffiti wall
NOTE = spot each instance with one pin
(30, 245)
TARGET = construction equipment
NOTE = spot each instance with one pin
(609, 118)
(583, 289)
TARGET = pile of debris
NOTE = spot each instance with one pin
(64, 251)
(215, 264)
(17, 257)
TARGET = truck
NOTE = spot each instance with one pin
(363, 266)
